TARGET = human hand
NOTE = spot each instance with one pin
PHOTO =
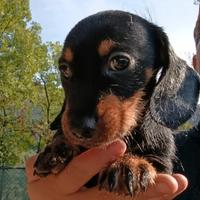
(68, 185)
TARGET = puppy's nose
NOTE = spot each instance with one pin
(87, 127)
(87, 133)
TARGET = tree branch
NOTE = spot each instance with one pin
(47, 98)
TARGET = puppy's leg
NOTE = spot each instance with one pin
(129, 175)
(55, 156)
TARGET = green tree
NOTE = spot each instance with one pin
(185, 127)
(49, 95)
(30, 93)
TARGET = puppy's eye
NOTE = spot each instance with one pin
(119, 61)
(65, 70)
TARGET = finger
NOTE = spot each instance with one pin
(82, 168)
(165, 186)
(42, 190)
(94, 193)
(182, 183)
(29, 170)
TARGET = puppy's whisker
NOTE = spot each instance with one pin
(128, 143)
(131, 138)
(110, 91)
(115, 85)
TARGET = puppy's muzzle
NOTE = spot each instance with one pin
(84, 128)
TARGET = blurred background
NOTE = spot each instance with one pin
(176, 17)
(31, 37)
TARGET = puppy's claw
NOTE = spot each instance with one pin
(113, 179)
(129, 181)
(102, 178)
(128, 176)
(144, 178)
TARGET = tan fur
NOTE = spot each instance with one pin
(66, 130)
(116, 118)
(105, 47)
(134, 163)
(68, 55)
(148, 74)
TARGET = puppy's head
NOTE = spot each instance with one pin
(108, 70)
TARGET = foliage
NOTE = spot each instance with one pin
(30, 92)
(186, 126)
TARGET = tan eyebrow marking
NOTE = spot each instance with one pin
(105, 46)
(68, 55)
(148, 74)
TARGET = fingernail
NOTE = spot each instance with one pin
(116, 149)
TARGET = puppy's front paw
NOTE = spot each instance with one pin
(128, 176)
(54, 157)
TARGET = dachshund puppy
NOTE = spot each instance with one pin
(122, 81)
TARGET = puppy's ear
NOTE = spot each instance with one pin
(176, 95)
(56, 124)
(161, 49)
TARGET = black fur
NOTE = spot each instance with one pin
(169, 99)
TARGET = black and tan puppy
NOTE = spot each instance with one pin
(121, 81)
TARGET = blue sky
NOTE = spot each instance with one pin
(177, 17)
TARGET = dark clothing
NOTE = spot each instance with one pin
(188, 147)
